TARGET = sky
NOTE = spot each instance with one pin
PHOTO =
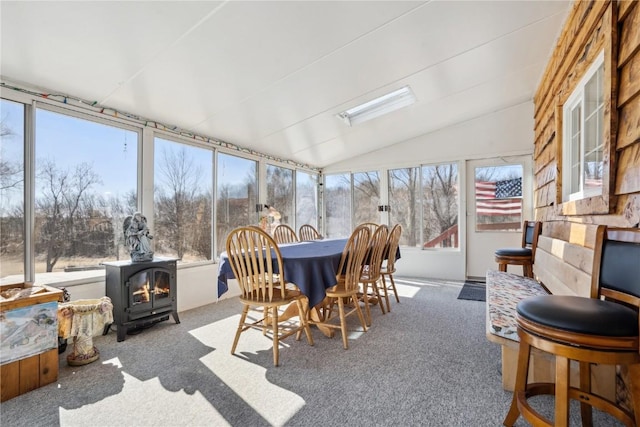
(111, 151)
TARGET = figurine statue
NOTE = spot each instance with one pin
(269, 219)
(138, 238)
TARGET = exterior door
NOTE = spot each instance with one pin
(498, 200)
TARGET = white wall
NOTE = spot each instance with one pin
(499, 134)
(503, 133)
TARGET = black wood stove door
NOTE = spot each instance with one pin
(150, 291)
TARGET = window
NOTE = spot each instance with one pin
(583, 147)
(280, 192)
(405, 201)
(183, 197)
(236, 196)
(424, 201)
(86, 180)
(12, 189)
(366, 197)
(440, 206)
(306, 199)
(337, 199)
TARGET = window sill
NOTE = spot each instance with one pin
(60, 279)
(596, 205)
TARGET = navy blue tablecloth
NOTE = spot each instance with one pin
(311, 266)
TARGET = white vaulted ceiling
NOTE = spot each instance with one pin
(272, 75)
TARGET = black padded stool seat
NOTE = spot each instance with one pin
(525, 255)
(513, 252)
(580, 315)
(581, 331)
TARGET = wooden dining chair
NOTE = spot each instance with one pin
(252, 252)
(308, 232)
(346, 290)
(602, 329)
(284, 234)
(371, 277)
(524, 256)
(389, 264)
(372, 226)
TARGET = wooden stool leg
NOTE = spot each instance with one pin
(561, 418)
(586, 412)
(502, 266)
(634, 377)
(521, 382)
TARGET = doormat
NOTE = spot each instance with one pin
(473, 291)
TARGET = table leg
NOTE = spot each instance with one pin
(314, 314)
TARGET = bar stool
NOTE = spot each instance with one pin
(524, 256)
(588, 330)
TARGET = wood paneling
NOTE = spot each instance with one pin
(628, 178)
(629, 210)
(571, 53)
(548, 154)
(576, 255)
(10, 381)
(48, 367)
(572, 232)
(29, 373)
(546, 175)
(546, 195)
(629, 80)
(629, 123)
(547, 213)
(629, 33)
(546, 137)
(560, 278)
(624, 8)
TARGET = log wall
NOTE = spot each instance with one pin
(565, 252)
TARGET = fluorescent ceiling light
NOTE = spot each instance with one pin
(379, 106)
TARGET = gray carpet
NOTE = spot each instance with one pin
(426, 363)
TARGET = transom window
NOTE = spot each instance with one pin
(583, 137)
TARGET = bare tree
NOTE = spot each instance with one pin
(58, 210)
(11, 210)
(175, 212)
(337, 205)
(440, 199)
(404, 189)
(119, 208)
(11, 176)
(366, 197)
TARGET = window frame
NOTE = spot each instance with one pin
(603, 201)
(31, 165)
(577, 100)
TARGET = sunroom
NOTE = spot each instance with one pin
(458, 120)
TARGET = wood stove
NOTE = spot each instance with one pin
(142, 293)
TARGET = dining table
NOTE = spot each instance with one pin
(311, 265)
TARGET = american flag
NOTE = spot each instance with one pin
(499, 197)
